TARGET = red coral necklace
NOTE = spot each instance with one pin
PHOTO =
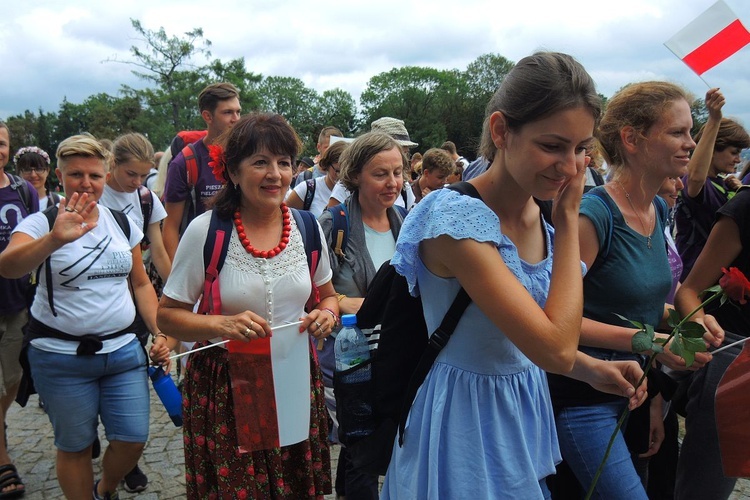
(265, 254)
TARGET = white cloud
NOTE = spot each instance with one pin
(54, 50)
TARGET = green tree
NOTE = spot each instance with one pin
(166, 61)
(237, 74)
(290, 98)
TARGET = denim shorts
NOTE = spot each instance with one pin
(77, 390)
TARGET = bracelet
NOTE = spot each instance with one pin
(336, 319)
(341, 297)
(159, 335)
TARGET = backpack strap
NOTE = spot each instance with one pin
(309, 194)
(22, 188)
(340, 216)
(214, 253)
(404, 197)
(308, 228)
(597, 194)
(191, 165)
(122, 220)
(438, 340)
(147, 208)
(51, 214)
(52, 199)
(440, 336)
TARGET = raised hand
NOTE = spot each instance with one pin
(72, 215)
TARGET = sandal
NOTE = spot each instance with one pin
(9, 477)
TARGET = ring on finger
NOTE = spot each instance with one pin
(320, 327)
(247, 332)
(68, 209)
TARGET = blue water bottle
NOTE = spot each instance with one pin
(168, 393)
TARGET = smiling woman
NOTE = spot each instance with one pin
(265, 282)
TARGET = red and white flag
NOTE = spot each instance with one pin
(709, 39)
(271, 389)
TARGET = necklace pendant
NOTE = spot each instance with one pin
(648, 242)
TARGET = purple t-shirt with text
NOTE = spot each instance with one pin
(176, 188)
(12, 291)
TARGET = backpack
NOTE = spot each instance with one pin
(399, 363)
(340, 226)
(215, 253)
(22, 188)
(309, 194)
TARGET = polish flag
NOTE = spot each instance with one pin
(710, 38)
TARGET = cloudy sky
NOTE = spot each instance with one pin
(52, 49)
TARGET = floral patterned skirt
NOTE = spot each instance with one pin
(214, 469)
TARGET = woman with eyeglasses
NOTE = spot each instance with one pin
(33, 163)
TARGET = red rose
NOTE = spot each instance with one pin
(203, 401)
(251, 471)
(280, 483)
(200, 440)
(211, 445)
(261, 478)
(735, 285)
(223, 471)
(224, 429)
(199, 479)
(242, 494)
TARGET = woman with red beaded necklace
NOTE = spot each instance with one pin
(265, 282)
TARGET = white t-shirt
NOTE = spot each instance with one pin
(130, 204)
(90, 287)
(380, 245)
(275, 288)
(322, 195)
(340, 193)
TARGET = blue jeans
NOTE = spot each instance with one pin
(584, 434)
(76, 390)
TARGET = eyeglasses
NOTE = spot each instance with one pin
(36, 170)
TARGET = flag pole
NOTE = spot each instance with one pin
(678, 57)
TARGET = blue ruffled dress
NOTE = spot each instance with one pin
(482, 424)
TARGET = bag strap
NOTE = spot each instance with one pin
(440, 336)
(191, 165)
(147, 208)
(309, 194)
(437, 341)
(214, 253)
(340, 229)
(308, 228)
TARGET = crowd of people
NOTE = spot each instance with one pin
(230, 243)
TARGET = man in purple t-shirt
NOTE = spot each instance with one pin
(219, 104)
(18, 198)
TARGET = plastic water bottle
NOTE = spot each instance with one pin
(353, 388)
(168, 393)
(351, 346)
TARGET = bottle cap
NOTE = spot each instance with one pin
(155, 372)
(349, 320)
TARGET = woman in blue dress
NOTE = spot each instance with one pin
(482, 425)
